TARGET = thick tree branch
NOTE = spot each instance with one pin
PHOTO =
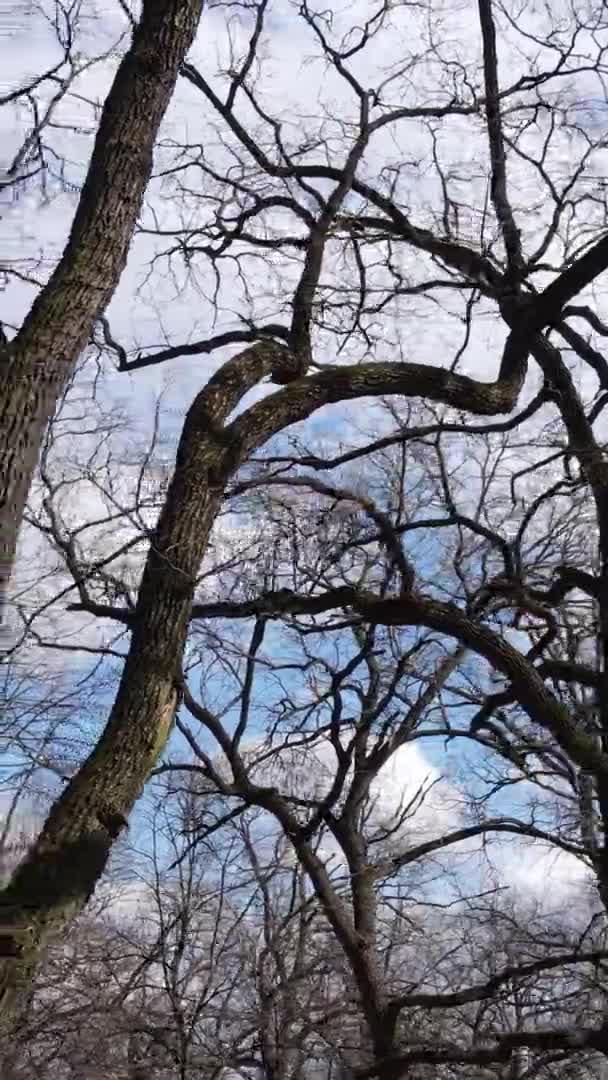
(208, 345)
(446, 618)
(63, 865)
(495, 825)
(579, 1038)
(481, 991)
(35, 367)
(409, 434)
(498, 185)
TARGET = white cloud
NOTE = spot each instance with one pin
(408, 798)
(536, 873)
(174, 305)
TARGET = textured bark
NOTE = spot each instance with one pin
(66, 861)
(63, 866)
(35, 366)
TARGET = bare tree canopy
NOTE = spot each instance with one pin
(384, 524)
(39, 359)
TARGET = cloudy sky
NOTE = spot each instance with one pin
(158, 302)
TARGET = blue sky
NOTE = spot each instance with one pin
(149, 310)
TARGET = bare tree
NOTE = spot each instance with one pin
(40, 357)
(314, 533)
(320, 775)
(211, 958)
(338, 254)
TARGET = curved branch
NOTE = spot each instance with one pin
(306, 395)
(579, 1038)
(497, 825)
(422, 431)
(207, 345)
(414, 609)
(481, 991)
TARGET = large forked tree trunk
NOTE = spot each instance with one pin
(36, 364)
(60, 871)
(63, 866)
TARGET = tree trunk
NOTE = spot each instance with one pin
(59, 873)
(35, 365)
(61, 870)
